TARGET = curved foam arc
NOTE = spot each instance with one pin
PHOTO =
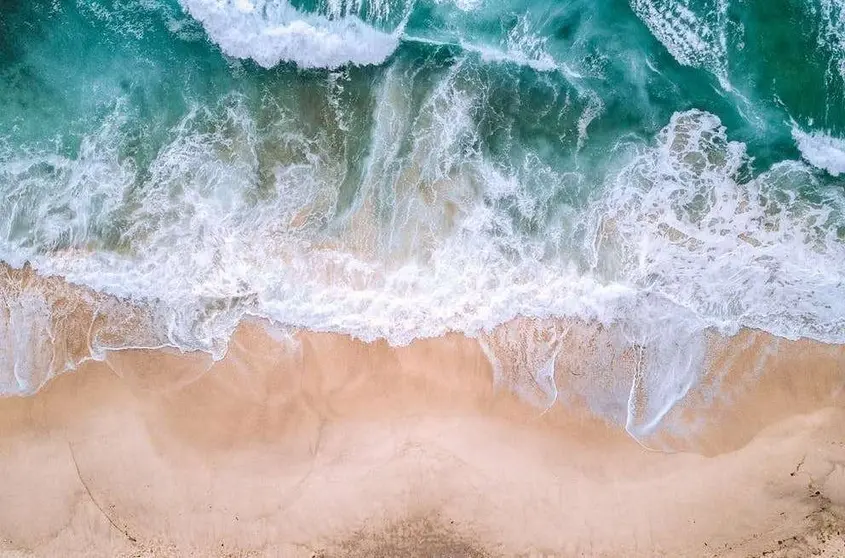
(43, 332)
(523, 354)
(23, 327)
(821, 150)
(666, 369)
(273, 32)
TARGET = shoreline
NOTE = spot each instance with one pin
(546, 280)
(320, 445)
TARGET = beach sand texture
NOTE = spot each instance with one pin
(320, 445)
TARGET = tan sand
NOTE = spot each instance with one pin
(320, 445)
(339, 448)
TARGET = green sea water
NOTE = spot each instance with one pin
(757, 65)
(403, 169)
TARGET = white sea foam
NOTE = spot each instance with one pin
(463, 5)
(735, 253)
(672, 245)
(693, 39)
(539, 61)
(521, 46)
(508, 52)
(25, 355)
(832, 34)
(821, 150)
(271, 32)
(709, 250)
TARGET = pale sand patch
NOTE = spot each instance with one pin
(325, 446)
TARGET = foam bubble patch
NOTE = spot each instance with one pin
(822, 151)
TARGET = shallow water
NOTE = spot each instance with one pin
(399, 170)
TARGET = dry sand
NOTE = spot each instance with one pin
(321, 445)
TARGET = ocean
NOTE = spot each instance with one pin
(667, 171)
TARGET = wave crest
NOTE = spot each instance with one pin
(822, 151)
(273, 32)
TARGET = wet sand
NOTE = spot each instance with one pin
(320, 445)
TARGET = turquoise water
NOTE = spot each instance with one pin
(402, 169)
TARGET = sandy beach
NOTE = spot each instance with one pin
(320, 445)
(422, 278)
